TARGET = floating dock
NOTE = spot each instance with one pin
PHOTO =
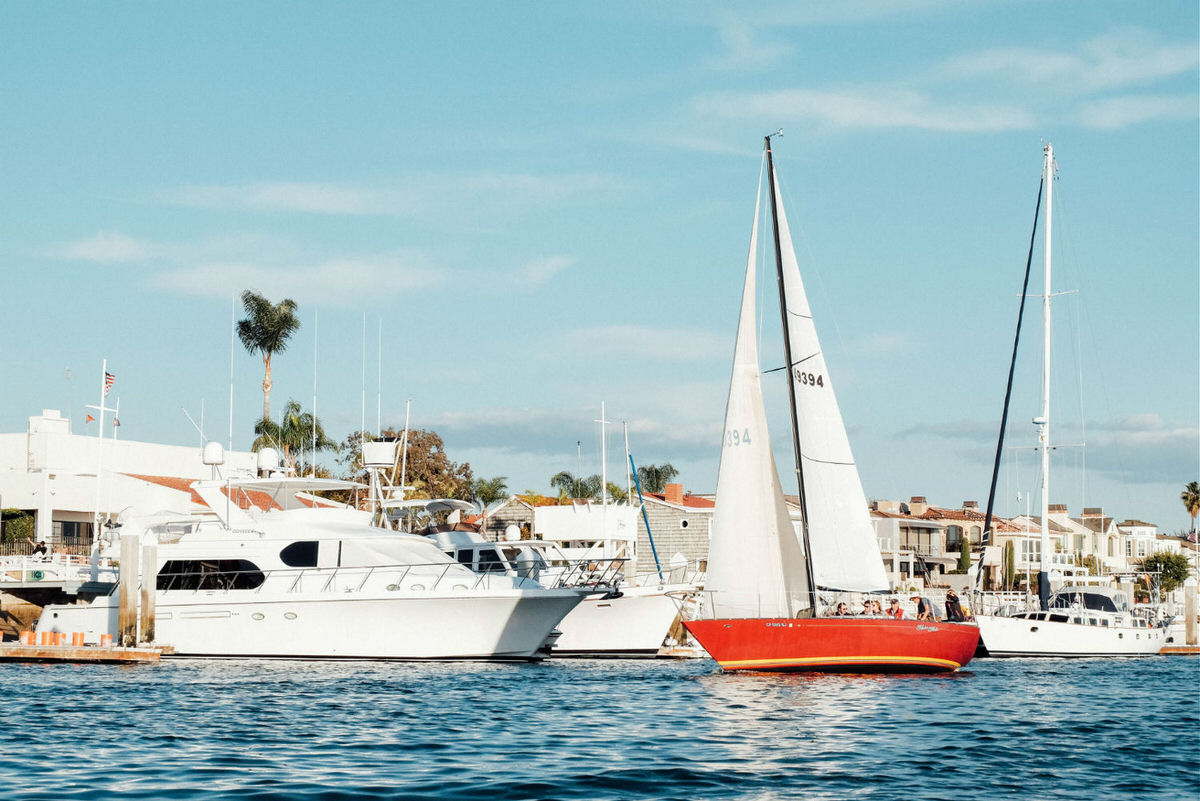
(1180, 650)
(13, 652)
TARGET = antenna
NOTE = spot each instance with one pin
(232, 337)
(379, 384)
(313, 468)
(777, 133)
(603, 456)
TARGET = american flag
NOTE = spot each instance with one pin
(116, 422)
(109, 378)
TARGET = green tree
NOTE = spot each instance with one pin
(964, 555)
(1191, 500)
(580, 488)
(616, 493)
(654, 477)
(487, 491)
(1172, 569)
(18, 525)
(293, 434)
(1010, 565)
(428, 470)
(266, 330)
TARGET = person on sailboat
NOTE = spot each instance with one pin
(924, 608)
(842, 610)
(954, 610)
(894, 610)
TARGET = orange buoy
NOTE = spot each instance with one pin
(46, 638)
(106, 640)
(77, 639)
(27, 638)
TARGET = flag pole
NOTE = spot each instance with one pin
(100, 449)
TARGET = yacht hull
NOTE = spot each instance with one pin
(839, 645)
(510, 625)
(634, 624)
(1023, 637)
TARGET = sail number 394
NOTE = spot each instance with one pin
(810, 379)
(733, 437)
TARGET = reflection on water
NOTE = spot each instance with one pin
(598, 730)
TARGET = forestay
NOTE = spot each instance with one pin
(844, 551)
(755, 565)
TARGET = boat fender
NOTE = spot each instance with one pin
(614, 594)
(37, 575)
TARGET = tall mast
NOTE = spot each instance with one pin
(1043, 422)
(787, 353)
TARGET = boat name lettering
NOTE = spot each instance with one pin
(927, 628)
(733, 437)
(776, 625)
(810, 379)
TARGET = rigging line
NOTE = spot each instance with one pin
(987, 521)
(808, 458)
(794, 364)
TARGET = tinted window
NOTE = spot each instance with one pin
(490, 561)
(300, 554)
(209, 574)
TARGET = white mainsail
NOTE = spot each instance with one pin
(755, 565)
(844, 551)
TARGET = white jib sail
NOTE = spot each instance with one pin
(755, 563)
(844, 551)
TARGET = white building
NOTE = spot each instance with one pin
(51, 473)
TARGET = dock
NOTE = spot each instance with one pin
(13, 652)
(1180, 650)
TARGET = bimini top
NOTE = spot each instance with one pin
(1099, 599)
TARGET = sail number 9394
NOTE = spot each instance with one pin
(810, 379)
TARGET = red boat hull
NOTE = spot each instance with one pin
(837, 644)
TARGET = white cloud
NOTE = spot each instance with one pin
(1122, 58)
(1121, 112)
(880, 107)
(467, 194)
(106, 247)
(538, 271)
(337, 281)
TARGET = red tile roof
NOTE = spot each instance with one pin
(689, 501)
(243, 498)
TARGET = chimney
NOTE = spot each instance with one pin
(1058, 508)
(917, 506)
(974, 505)
(673, 493)
(888, 506)
(1093, 511)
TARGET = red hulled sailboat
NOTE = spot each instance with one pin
(768, 591)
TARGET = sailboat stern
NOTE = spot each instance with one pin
(837, 645)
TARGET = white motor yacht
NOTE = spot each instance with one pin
(298, 580)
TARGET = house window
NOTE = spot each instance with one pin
(976, 534)
(1079, 542)
(1031, 551)
(1129, 547)
(1112, 546)
(953, 537)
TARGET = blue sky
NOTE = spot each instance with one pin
(548, 206)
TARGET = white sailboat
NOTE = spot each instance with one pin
(1075, 620)
(762, 590)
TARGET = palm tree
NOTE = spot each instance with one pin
(1191, 501)
(616, 493)
(292, 434)
(584, 488)
(486, 491)
(266, 330)
(654, 478)
(489, 490)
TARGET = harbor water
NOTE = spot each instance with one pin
(259, 729)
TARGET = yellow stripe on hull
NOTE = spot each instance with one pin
(827, 661)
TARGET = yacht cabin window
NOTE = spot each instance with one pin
(300, 554)
(209, 574)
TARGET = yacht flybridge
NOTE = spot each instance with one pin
(300, 579)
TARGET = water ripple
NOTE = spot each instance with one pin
(567, 730)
